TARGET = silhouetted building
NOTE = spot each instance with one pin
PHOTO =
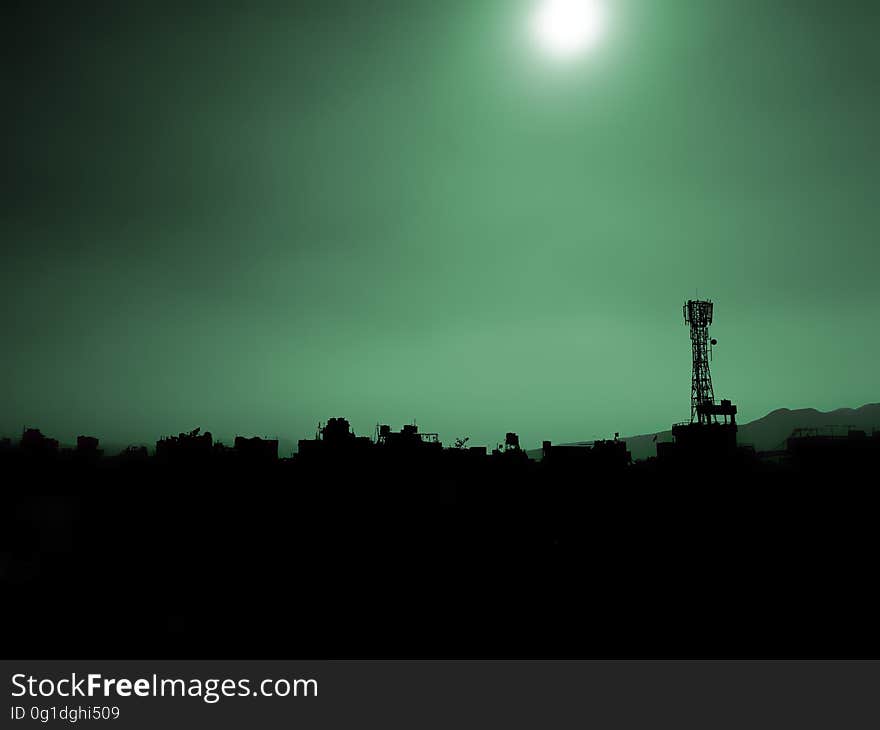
(833, 449)
(134, 454)
(579, 459)
(34, 443)
(87, 449)
(86, 444)
(407, 438)
(509, 453)
(611, 454)
(185, 447)
(256, 450)
(337, 431)
(336, 439)
(568, 455)
(699, 442)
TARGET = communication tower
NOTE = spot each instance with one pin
(704, 409)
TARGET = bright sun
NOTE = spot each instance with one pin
(565, 29)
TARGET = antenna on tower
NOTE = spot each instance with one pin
(698, 315)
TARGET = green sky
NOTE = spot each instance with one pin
(254, 217)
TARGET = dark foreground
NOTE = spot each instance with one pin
(510, 561)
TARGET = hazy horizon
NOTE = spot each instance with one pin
(287, 443)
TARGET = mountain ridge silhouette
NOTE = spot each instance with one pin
(767, 433)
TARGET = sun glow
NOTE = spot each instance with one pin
(566, 29)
